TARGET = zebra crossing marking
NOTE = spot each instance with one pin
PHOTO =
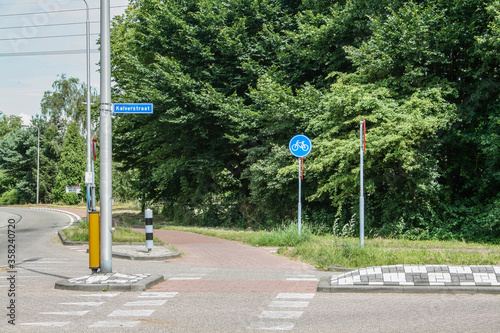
(131, 313)
(282, 300)
(281, 314)
(146, 303)
(47, 324)
(112, 324)
(66, 313)
(83, 303)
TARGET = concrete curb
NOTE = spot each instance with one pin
(153, 257)
(141, 285)
(340, 269)
(326, 287)
(72, 215)
(116, 254)
(63, 239)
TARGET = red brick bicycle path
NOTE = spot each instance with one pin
(206, 251)
(200, 250)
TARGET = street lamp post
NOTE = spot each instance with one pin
(37, 161)
(90, 182)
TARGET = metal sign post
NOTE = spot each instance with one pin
(105, 146)
(362, 148)
(300, 146)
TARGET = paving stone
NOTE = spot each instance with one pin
(419, 275)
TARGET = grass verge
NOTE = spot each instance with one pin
(80, 233)
(321, 251)
(328, 251)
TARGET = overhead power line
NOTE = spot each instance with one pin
(15, 2)
(42, 53)
(53, 36)
(57, 11)
(46, 25)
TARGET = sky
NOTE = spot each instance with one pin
(32, 35)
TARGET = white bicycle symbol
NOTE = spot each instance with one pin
(300, 144)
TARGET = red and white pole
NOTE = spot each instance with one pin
(362, 148)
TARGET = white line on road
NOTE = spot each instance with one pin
(99, 295)
(271, 326)
(147, 303)
(47, 324)
(288, 304)
(131, 313)
(295, 295)
(114, 324)
(84, 303)
(281, 314)
(66, 313)
(160, 294)
(302, 278)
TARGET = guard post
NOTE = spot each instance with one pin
(94, 252)
(149, 229)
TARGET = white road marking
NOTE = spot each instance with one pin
(47, 324)
(99, 295)
(295, 295)
(288, 304)
(67, 313)
(147, 303)
(84, 303)
(131, 313)
(272, 326)
(114, 324)
(302, 278)
(161, 294)
(281, 314)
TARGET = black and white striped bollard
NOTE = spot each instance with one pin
(149, 229)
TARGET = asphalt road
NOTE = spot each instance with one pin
(41, 260)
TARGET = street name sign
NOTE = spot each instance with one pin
(136, 108)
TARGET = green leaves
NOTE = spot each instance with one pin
(233, 81)
(71, 166)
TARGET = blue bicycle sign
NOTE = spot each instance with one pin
(300, 145)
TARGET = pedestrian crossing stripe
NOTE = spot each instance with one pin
(113, 324)
(47, 324)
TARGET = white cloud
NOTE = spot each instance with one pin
(26, 118)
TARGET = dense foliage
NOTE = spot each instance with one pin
(18, 164)
(232, 81)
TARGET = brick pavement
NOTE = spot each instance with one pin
(210, 251)
(422, 275)
(200, 250)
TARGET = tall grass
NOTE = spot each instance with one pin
(80, 233)
(283, 235)
(346, 252)
(327, 251)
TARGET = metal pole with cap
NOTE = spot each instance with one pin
(361, 176)
(105, 139)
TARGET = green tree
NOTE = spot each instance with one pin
(66, 103)
(8, 123)
(71, 166)
(18, 152)
(233, 81)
